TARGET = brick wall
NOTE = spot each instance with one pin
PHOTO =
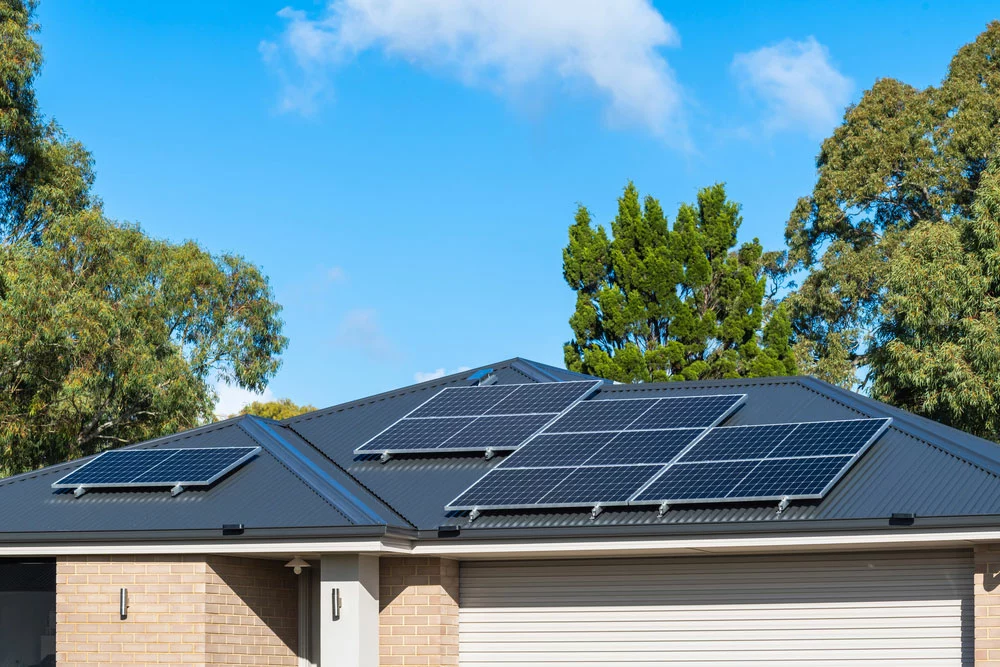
(252, 610)
(987, 604)
(418, 611)
(183, 610)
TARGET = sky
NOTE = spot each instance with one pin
(405, 171)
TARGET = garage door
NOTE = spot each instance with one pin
(848, 609)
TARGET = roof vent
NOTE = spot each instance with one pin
(482, 378)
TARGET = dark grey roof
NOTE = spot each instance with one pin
(308, 481)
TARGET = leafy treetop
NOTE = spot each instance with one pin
(657, 303)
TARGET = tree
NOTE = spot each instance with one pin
(899, 238)
(655, 303)
(106, 335)
(279, 409)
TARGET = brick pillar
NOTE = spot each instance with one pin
(418, 617)
(181, 610)
(987, 604)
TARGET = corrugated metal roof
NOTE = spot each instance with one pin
(902, 472)
(309, 477)
(264, 493)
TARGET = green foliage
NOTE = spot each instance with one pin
(106, 335)
(656, 303)
(282, 408)
(900, 237)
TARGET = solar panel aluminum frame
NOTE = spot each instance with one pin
(749, 499)
(133, 485)
(722, 417)
(360, 449)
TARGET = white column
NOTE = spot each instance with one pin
(352, 639)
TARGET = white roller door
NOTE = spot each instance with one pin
(846, 609)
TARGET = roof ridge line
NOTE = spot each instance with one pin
(345, 502)
(903, 422)
(352, 477)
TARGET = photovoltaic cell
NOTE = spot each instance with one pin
(193, 465)
(789, 477)
(460, 419)
(601, 415)
(410, 434)
(686, 412)
(557, 450)
(503, 432)
(116, 467)
(632, 447)
(545, 397)
(464, 401)
(827, 438)
(738, 442)
(696, 481)
(596, 485)
(518, 487)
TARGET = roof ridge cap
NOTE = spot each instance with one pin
(339, 497)
(346, 472)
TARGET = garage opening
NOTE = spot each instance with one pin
(28, 613)
(822, 610)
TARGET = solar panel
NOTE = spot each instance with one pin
(601, 415)
(157, 467)
(557, 450)
(116, 467)
(803, 478)
(636, 414)
(738, 442)
(695, 465)
(694, 482)
(599, 486)
(633, 447)
(475, 419)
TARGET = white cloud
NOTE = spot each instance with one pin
(336, 274)
(797, 82)
(424, 376)
(612, 46)
(232, 399)
(360, 329)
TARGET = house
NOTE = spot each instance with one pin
(307, 552)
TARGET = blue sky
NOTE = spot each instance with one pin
(405, 170)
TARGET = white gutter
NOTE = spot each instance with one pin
(509, 549)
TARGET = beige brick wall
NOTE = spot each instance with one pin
(183, 610)
(987, 603)
(418, 611)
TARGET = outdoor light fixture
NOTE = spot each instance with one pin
(297, 564)
(123, 604)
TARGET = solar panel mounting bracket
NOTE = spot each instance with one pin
(384, 458)
(489, 453)
(664, 508)
(783, 504)
(79, 491)
(595, 511)
(474, 514)
(176, 490)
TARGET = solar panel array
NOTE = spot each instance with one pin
(689, 461)
(598, 452)
(474, 419)
(157, 467)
